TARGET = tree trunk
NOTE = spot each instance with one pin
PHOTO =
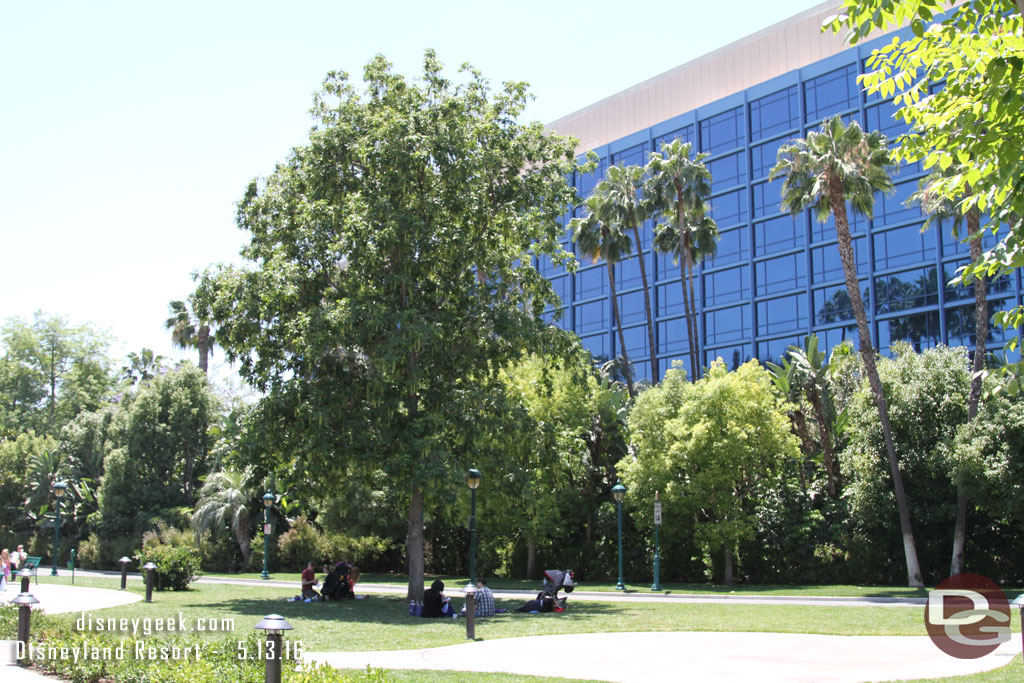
(647, 303)
(203, 342)
(414, 545)
(626, 369)
(691, 332)
(695, 349)
(243, 541)
(531, 558)
(728, 579)
(956, 565)
(867, 352)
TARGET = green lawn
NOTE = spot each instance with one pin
(382, 622)
(697, 588)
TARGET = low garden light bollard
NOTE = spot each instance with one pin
(124, 571)
(149, 567)
(24, 601)
(471, 613)
(274, 625)
(26, 575)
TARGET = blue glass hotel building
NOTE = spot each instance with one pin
(775, 277)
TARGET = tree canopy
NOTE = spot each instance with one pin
(390, 274)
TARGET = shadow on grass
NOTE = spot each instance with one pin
(392, 611)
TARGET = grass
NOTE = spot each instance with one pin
(1011, 673)
(643, 588)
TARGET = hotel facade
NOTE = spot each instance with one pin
(775, 277)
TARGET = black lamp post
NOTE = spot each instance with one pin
(618, 491)
(149, 567)
(274, 625)
(268, 502)
(473, 481)
(124, 571)
(58, 492)
(24, 601)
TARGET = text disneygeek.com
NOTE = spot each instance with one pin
(148, 626)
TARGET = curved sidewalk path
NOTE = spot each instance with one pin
(698, 656)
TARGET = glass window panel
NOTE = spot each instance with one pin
(827, 266)
(729, 208)
(590, 317)
(636, 342)
(556, 317)
(561, 286)
(672, 337)
(727, 324)
(733, 247)
(961, 325)
(780, 274)
(768, 197)
(1001, 285)
(832, 304)
(831, 93)
(670, 298)
(779, 234)
(631, 307)
(598, 346)
(685, 134)
(733, 356)
(920, 330)
(774, 113)
(773, 350)
(727, 171)
(665, 266)
(587, 181)
(903, 247)
(547, 268)
(627, 274)
(909, 289)
(679, 361)
(591, 282)
(893, 208)
(833, 337)
(821, 232)
(725, 286)
(786, 314)
(764, 157)
(881, 117)
(634, 156)
(722, 132)
(957, 245)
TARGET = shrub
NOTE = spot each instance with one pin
(299, 545)
(175, 556)
(366, 552)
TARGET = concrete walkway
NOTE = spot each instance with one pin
(60, 599)
(719, 657)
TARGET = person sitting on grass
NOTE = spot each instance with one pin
(484, 600)
(435, 604)
(309, 580)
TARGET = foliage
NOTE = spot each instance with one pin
(389, 278)
(190, 331)
(226, 501)
(973, 122)
(142, 366)
(49, 372)
(712, 449)
(175, 555)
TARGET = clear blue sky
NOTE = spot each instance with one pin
(128, 130)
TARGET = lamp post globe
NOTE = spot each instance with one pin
(473, 478)
(618, 493)
(58, 488)
(268, 502)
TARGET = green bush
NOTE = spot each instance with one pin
(300, 544)
(175, 555)
(366, 552)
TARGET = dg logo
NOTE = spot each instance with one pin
(967, 616)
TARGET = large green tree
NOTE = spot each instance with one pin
(833, 166)
(190, 330)
(389, 277)
(680, 188)
(971, 127)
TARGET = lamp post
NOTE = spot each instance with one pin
(124, 571)
(274, 625)
(656, 586)
(26, 578)
(24, 601)
(58, 492)
(473, 482)
(149, 567)
(618, 491)
(268, 501)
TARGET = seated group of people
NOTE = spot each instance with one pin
(340, 583)
(436, 604)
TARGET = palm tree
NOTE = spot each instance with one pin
(142, 366)
(682, 184)
(824, 171)
(624, 204)
(600, 238)
(937, 207)
(225, 499)
(190, 331)
(811, 367)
